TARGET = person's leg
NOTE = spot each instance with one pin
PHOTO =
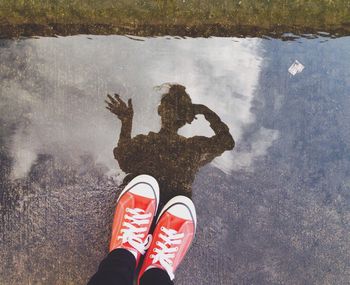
(155, 276)
(117, 268)
(136, 208)
(172, 237)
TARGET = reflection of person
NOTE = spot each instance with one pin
(172, 236)
(171, 158)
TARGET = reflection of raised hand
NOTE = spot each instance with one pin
(118, 107)
(125, 113)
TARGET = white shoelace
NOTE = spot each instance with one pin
(165, 251)
(132, 233)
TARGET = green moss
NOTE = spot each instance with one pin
(176, 17)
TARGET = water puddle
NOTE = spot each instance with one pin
(277, 203)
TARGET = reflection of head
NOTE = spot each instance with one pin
(176, 108)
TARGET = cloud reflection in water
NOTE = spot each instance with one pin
(59, 100)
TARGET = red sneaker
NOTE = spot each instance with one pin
(136, 208)
(172, 237)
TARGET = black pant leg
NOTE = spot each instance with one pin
(155, 276)
(118, 268)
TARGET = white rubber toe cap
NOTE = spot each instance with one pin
(182, 207)
(143, 185)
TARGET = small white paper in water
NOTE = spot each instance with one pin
(296, 67)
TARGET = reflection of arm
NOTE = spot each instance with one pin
(125, 145)
(125, 114)
(221, 130)
(217, 144)
(129, 151)
(125, 132)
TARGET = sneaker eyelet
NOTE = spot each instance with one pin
(176, 248)
(151, 256)
(162, 228)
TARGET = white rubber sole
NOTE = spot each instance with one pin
(143, 185)
(182, 207)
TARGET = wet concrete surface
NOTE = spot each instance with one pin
(274, 210)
